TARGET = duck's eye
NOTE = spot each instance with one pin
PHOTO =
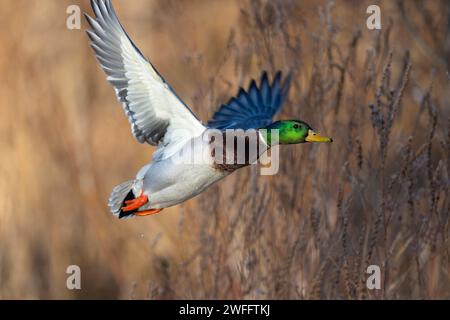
(296, 126)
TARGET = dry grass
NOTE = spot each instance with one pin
(378, 195)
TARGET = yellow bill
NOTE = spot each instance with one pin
(314, 137)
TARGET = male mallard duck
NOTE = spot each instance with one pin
(158, 117)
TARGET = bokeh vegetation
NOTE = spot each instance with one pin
(378, 195)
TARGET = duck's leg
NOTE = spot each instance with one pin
(147, 212)
(135, 203)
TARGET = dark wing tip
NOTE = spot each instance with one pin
(264, 77)
(277, 77)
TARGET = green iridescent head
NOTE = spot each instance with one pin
(292, 132)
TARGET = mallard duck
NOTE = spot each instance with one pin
(160, 118)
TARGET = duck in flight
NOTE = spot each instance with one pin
(160, 118)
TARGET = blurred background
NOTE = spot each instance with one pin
(378, 195)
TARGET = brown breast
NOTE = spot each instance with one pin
(231, 150)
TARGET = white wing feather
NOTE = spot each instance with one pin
(156, 114)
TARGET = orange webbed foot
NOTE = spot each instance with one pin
(147, 212)
(135, 203)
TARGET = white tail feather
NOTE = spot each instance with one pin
(118, 195)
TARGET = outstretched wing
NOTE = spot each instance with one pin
(153, 109)
(254, 108)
